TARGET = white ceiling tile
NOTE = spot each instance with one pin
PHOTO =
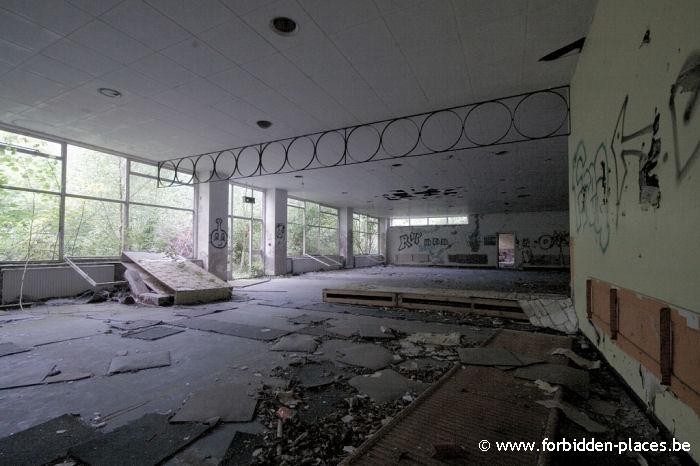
(55, 115)
(95, 7)
(307, 30)
(60, 16)
(56, 70)
(387, 7)
(149, 107)
(193, 94)
(22, 32)
(86, 98)
(28, 88)
(13, 53)
(114, 44)
(80, 57)
(336, 15)
(241, 110)
(275, 70)
(198, 57)
(480, 48)
(238, 82)
(429, 24)
(318, 58)
(126, 79)
(241, 7)
(367, 42)
(10, 107)
(480, 12)
(350, 90)
(163, 70)
(196, 16)
(143, 23)
(238, 42)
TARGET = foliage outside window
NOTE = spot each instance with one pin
(311, 229)
(90, 208)
(421, 221)
(365, 234)
(246, 232)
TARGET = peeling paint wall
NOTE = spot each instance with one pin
(541, 240)
(635, 200)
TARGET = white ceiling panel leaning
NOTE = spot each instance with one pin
(195, 77)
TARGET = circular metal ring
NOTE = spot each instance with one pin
(376, 149)
(459, 136)
(383, 133)
(318, 143)
(266, 147)
(482, 144)
(559, 126)
(211, 172)
(312, 155)
(163, 166)
(178, 171)
(239, 159)
(221, 154)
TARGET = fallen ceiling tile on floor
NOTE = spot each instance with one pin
(575, 415)
(488, 357)
(198, 312)
(316, 374)
(134, 324)
(367, 355)
(296, 343)
(307, 319)
(143, 442)
(9, 348)
(420, 364)
(576, 380)
(67, 377)
(229, 402)
(363, 330)
(240, 450)
(29, 372)
(153, 333)
(232, 329)
(46, 442)
(438, 339)
(139, 361)
(386, 385)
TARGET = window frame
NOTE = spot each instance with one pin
(63, 195)
(329, 210)
(251, 218)
(418, 221)
(366, 232)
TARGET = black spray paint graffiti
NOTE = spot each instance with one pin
(592, 187)
(436, 249)
(474, 238)
(558, 239)
(280, 234)
(435, 242)
(218, 237)
(688, 81)
(411, 239)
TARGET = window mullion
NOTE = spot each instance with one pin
(62, 202)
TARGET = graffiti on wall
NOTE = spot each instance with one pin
(280, 234)
(540, 251)
(600, 179)
(218, 237)
(410, 239)
(474, 238)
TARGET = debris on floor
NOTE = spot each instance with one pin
(576, 415)
(296, 343)
(576, 380)
(228, 402)
(367, 355)
(386, 385)
(153, 333)
(140, 361)
(557, 314)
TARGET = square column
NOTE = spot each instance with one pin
(275, 231)
(212, 227)
(346, 239)
(383, 230)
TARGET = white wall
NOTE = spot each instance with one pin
(626, 138)
(541, 241)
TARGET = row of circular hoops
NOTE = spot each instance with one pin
(259, 149)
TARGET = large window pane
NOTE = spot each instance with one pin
(312, 235)
(328, 241)
(146, 191)
(28, 226)
(240, 247)
(399, 222)
(29, 171)
(30, 144)
(159, 229)
(295, 239)
(95, 174)
(93, 228)
(459, 220)
(437, 221)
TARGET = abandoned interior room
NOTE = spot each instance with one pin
(319, 232)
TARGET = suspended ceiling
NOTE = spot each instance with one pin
(196, 76)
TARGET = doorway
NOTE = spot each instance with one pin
(506, 250)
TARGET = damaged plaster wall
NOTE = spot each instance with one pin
(542, 240)
(635, 185)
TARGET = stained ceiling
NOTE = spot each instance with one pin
(195, 77)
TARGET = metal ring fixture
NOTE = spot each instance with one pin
(371, 142)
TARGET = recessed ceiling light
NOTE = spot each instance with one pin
(264, 124)
(283, 25)
(107, 92)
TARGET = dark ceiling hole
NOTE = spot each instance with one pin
(523, 195)
(344, 192)
(283, 25)
(264, 124)
(396, 164)
(576, 46)
(501, 152)
(298, 176)
(107, 92)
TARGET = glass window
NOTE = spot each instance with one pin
(311, 229)
(437, 221)
(28, 226)
(399, 222)
(365, 234)
(95, 174)
(93, 228)
(245, 232)
(458, 220)
(159, 229)
(419, 221)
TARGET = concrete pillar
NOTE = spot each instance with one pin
(383, 229)
(275, 231)
(346, 239)
(212, 227)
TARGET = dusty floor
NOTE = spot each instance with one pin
(81, 339)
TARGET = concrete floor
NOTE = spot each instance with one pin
(78, 337)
